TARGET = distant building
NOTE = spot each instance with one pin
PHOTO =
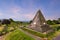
(39, 23)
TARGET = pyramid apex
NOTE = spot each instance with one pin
(39, 11)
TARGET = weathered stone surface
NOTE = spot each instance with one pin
(39, 24)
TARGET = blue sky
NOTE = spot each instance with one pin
(24, 10)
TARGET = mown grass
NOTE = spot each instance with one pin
(34, 32)
(49, 36)
(18, 35)
(56, 27)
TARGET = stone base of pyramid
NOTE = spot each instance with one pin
(43, 29)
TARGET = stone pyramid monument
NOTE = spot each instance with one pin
(39, 24)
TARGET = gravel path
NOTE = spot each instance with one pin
(33, 36)
(1, 37)
(57, 37)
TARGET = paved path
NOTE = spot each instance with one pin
(57, 37)
(1, 37)
(33, 36)
(4, 36)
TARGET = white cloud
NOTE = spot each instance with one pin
(29, 16)
(22, 17)
(1, 14)
(20, 13)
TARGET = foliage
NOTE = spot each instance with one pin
(50, 22)
(30, 21)
(56, 21)
(11, 20)
(57, 28)
(6, 21)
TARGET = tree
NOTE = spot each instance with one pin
(11, 20)
(30, 21)
(59, 20)
(6, 21)
(50, 22)
(56, 21)
(0, 20)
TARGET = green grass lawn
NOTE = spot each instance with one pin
(34, 32)
(18, 35)
(55, 25)
(50, 36)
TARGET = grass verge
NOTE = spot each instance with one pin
(34, 32)
(18, 35)
(49, 36)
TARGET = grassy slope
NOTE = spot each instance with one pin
(56, 32)
(55, 25)
(18, 35)
(51, 35)
(34, 32)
